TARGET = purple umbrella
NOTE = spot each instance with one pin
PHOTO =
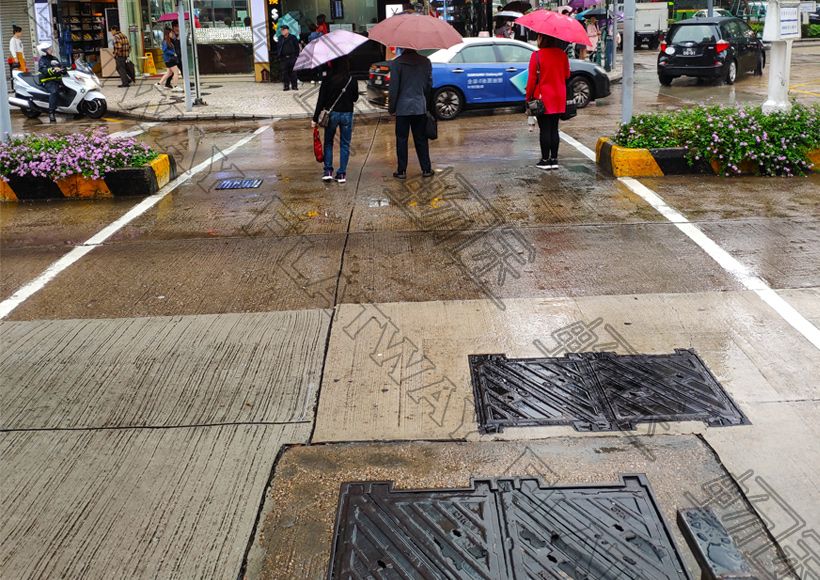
(579, 5)
(170, 16)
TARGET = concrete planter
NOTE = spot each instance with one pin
(128, 181)
(625, 162)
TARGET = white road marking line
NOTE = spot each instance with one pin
(726, 261)
(24, 293)
(141, 128)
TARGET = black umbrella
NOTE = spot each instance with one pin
(518, 6)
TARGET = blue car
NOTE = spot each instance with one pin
(483, 72)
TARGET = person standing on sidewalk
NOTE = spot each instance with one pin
(287, 52)
(547, 82)
(16, 49)
(337, 93)
(122, 50)
(411, 82)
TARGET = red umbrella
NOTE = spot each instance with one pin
(170, 16)
(417, 31)
(556, 25)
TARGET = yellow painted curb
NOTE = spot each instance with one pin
(598, 145)
(634, 163)
(6, 192)
(162, 169)
(814, 158)
(82, 187)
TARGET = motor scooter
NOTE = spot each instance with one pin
(80, 94)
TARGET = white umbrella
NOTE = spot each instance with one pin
(327, 47)
(510, 14)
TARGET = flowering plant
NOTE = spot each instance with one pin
(90, 154)
(776, 143)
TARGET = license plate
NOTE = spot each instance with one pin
(688, 52)
(377, 81)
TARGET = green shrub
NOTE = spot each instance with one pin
(778, 143)
(812, 31)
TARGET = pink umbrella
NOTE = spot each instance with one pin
(417, 31)
(170, 16)
(556, 25)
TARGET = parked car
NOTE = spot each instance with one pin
(716, 13)
(712, 48)
(479, 72)
(814, 17)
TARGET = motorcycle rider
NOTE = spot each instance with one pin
(51, 77)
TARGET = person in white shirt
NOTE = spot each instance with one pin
(16, 43)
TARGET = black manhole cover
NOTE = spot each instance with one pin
(239, 184)
(598, 391)
(503, 528)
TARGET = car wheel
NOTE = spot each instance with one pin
(448, 103)
(731, 72)
(666, 80)
(583, 91)
(95, 108)
(30, 113)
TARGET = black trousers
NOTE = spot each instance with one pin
(548, 125)
(53, 88)
(122, 69)
(288, 74)
(417, 124)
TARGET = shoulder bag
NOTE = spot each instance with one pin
(324, 114)
(536, 106)
(572, 108)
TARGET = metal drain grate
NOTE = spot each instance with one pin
(239, 184)
(503, 528)
(598, 391)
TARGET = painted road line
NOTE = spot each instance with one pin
(726, 261)
(134, 132)
(24, 293)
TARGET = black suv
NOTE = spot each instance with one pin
(714, 48)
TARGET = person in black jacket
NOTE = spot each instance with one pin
(411, 83)
(287, 51)
(337, 93)
(51, 77)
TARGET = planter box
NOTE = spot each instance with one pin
(128, 181)
(625, 162)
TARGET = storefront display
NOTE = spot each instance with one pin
(81, 30)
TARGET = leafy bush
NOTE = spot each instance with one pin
(811, 31)
(90, 154)
(777, 144)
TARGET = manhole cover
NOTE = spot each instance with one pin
(239, 184)
(503, 528)
(598, 391)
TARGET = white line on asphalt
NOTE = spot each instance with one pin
(134, 132)
(94, 241)
(728, 262)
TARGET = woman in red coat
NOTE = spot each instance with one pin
(547, 81)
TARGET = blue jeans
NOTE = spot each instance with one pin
(344, 121)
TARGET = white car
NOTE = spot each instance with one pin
(717, 12)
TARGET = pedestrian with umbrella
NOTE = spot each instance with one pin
(411, 81)
(337, 94)
(548, 74)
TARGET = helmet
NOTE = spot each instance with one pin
(43, 46)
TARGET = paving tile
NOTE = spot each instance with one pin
(202, 276)
(133, 503)
(294, 540)
(400, 371)
(185, 370)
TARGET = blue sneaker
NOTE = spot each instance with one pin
(328, 175)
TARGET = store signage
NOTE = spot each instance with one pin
(42, 21)
(782, 21)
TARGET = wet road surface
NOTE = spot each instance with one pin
(157, 381)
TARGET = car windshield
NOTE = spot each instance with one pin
(693, 33)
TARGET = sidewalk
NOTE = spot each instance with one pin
(227, 97)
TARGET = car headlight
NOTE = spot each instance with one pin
(600, 70)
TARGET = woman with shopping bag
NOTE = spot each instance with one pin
(334, 110)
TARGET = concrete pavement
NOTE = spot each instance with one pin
(185, 399)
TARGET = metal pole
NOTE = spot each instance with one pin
(710, 8)
(183, 45)
(629, 60)
(5, 115)
(195, 60)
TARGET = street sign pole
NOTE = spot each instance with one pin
(782, 26)
(183, 44)
(629, 60)
(197, 94)
(5, 115)
(710, 8)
